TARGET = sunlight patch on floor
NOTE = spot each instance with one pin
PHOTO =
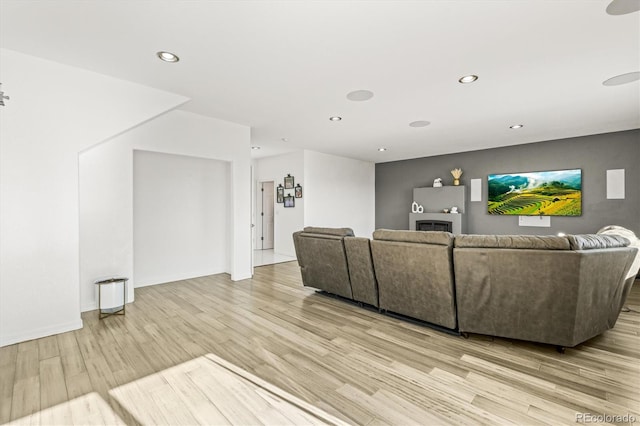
(209, 390)
(89, 409)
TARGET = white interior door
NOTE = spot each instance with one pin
(267, 215)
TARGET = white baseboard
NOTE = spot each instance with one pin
(40, 332)
(90, 307)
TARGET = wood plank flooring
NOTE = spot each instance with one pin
(355, 364)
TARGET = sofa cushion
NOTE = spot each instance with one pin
(592, 241)
(634, 242)
(540, 242)
(419, 237)
(340, 232)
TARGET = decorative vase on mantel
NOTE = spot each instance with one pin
(456, 173)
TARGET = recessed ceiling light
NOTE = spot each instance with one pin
(419, 123)
(622, 79)
(468, 79)
(517, 126)
(382, 149)
(168, 56)
(360, 95)
(335, 118)
(284, 140)
(255, 147)
(622, 7)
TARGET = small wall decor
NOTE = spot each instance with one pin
(2, 96)
(288, 182)
(615, 184)
(476, 190)
(280, 194)
(456, 173)
(298, 191)
(289, 201)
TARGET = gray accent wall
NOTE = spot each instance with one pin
(594, 154)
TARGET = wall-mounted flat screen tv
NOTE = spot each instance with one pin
(552, 193)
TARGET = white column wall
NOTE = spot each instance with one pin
(106, 220)
(339, 192)
(177, 132)
(54, 112)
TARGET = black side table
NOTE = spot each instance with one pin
(103, 313)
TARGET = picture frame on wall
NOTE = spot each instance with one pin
(280, 194)
(289, 201)
(288, 182)
(298, 191)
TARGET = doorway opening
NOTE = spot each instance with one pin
(265, 245)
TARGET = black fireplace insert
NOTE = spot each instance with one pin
(434, 225)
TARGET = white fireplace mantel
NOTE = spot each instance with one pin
(435, 200)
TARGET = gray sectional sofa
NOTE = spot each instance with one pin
(548, 289)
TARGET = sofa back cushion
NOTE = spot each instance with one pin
(418, 237)
(594, 241)
(339, 232)
(538, 242)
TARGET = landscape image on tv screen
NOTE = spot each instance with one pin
(553, 193)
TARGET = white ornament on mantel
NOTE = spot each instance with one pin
(416, 208)
(437, 183)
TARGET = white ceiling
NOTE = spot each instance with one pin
(284, 67)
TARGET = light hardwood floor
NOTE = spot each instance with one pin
(353, 363)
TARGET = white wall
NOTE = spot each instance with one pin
(339, 192)
(107, 179)
(55, 111)
(106, 220)
(286, 220)
(180, 217)
(336, 192)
